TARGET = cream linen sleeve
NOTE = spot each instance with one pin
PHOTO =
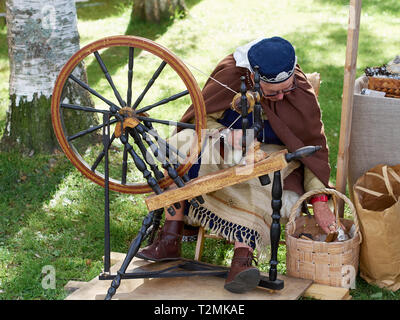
(212, 122)
(311, 182)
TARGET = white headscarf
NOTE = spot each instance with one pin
(240, 54)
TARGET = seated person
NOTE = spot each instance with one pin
(292, 119)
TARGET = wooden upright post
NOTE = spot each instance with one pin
(347, 99)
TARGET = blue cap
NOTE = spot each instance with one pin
(275, 58)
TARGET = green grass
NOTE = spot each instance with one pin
(52, 215)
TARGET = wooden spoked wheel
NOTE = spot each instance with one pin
(141, 111)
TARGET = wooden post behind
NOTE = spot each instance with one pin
(199, 244)
(347, 100)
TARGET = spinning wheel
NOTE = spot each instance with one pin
(129, 125)
(131, 114)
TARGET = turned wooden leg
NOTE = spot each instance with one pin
(133, 249)
(275, 233)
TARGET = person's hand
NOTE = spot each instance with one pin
(324, 216)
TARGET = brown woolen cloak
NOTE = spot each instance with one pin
(296, 119)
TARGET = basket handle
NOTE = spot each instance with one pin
(291, 225)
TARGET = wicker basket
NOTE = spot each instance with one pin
(388, 85)
(330, 263)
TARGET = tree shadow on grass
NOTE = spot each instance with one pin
(99, 9)
(53, 217)
(26, 183)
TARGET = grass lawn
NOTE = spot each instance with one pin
(52, 216)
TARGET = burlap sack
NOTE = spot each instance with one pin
(376, 197)
(375, 133)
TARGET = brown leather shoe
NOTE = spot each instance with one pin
(242, 276)
(167, 245)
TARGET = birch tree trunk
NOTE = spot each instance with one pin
(42, 35)
(157, 10)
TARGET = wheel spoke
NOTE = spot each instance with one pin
(102, 154)
(109, 79)
(130, 75)
(164, 101)
(84, 132)
(81, 108)
(94, 92)
(169, 122)
(149, 84)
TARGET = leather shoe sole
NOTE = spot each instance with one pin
(143, 256)
(244, 281)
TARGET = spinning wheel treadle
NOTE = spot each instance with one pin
(134, 128)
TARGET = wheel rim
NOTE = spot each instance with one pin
(150, 47)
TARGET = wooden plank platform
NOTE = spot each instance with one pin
(207, 288)
(324, 292)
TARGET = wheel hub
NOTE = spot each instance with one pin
(129, 120)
